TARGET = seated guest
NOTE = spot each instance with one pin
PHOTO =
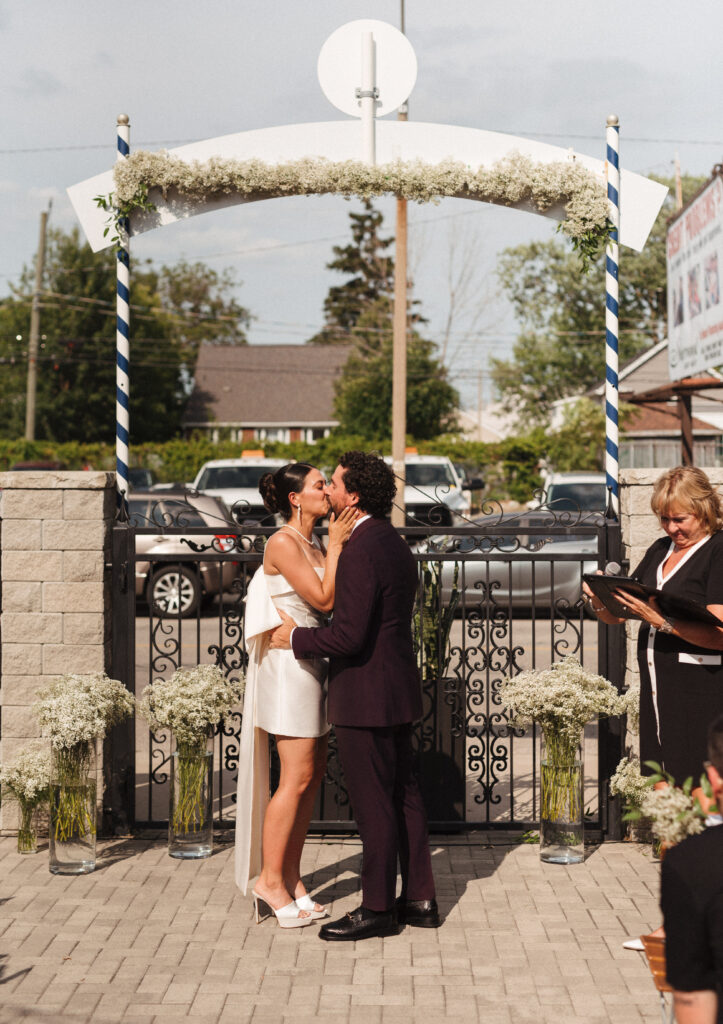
(691, 899)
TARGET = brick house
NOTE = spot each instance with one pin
(652, 434)
(265, 392)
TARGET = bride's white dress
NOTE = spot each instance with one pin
(283, 696)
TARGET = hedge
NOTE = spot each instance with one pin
(510, 467)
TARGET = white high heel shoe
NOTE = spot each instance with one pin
(305, 902)
(288, 916)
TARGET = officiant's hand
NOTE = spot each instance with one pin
(280, 637)
(587, 593)
(648, 611)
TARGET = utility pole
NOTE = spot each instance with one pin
(479, 404)
(35, 333)
(399, 345)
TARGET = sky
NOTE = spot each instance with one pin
(187, 71)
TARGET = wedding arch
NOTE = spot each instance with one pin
(411, 160)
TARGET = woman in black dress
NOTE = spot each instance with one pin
(681, 666)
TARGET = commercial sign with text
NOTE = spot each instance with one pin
(695, 262)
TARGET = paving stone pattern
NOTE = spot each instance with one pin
(150, 940)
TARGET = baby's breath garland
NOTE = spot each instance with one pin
(514, 180)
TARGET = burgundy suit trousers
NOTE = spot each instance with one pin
(378, 765)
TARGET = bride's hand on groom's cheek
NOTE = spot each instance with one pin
(340, 526)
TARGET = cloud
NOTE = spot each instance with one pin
(37, 82)
(45, 193)
(105, 59)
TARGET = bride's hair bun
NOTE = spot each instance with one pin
(276, 487)
(267, 487)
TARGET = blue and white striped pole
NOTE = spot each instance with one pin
(611, 313)
(122, 334)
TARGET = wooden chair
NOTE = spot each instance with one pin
(654, 946)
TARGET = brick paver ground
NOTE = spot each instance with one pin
(150, 940)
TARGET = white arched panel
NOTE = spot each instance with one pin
(641, 199)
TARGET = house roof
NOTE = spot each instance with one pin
(658, 420)
(265, 385)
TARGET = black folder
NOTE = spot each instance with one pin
(670, 605)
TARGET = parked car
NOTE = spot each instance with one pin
(517, 582)
(433, 491)
(236, 482)
(173, 588)
(575, 492)
(141, 479)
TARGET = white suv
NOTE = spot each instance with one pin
(433, 491)
(236, 482)
(575, 492)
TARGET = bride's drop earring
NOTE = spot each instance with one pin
(298, 510)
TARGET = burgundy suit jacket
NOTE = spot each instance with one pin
(373, 676)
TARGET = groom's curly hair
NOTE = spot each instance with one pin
(372, 479)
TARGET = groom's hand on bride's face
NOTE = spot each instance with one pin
(280, 637)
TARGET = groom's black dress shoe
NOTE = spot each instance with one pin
(360, 924)
(419, 913)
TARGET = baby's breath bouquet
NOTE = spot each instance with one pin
(27, 782)
(629, 783)
(190, 703)
(674, 814)
(562, 700)
(75, 711)
(630, 706)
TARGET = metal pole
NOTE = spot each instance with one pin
(35, 333)
(368, 97)
(399, 362)
(399, 347)
(611, 312)
(122, 391)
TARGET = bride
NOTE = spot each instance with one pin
(285, 697)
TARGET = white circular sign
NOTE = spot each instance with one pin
(340, 66)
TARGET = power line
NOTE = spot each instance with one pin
(505, 131)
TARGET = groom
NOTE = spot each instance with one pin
(374, 696)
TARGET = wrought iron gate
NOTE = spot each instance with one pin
(496, 595)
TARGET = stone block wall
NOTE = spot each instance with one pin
(54, 590)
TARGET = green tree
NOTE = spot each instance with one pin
(561, 349)
(200, 304)
(76, 363)
(359, 313)
(370, 276)
(364, 392)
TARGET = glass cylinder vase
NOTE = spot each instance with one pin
(72, 832)
(28, 827)
(190, 814)
(562, 838)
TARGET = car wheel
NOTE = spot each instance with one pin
(174, 589)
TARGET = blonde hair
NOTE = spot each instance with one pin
(690, 488)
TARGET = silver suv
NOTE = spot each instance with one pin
(178, 588)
